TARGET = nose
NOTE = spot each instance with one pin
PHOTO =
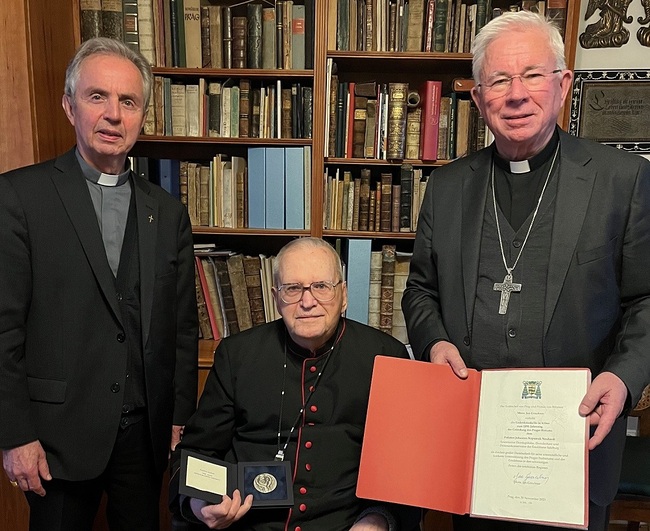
(112, 110)
(307, 300)
(517, 89)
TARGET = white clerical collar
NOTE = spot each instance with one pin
(519, 166)
(103, 179)
(106, 179)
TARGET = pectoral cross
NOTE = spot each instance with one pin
(506, 288)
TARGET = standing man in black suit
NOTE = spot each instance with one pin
(534, 251)
(98, 320)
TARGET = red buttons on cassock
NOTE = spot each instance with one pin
(312, 368)
(303, 490)
(302, 507)
(297, 528)
(313, 409)
(308, 444)
(311, 388)
(307, 467)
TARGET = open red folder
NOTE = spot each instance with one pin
(530, 464)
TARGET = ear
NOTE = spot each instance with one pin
(344, 303)
(276, 297)
(68, 108)
(566, 82)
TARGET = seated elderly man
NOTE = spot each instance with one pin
(297, 387)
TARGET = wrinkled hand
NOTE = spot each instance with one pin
(445, 353)
(177, 435)
(371, 522)
(26, 465)
(224, 514)
(603, 404)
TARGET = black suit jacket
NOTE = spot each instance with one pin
(597, 308)
(62, 350)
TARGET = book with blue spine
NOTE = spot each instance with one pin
(294, 192)
(256, 187)
(274, 185)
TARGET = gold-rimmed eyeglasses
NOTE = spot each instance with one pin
(531, 80)
(321, 290)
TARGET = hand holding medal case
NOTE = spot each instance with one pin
(209, 479)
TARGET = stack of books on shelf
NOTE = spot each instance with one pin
(270, 189)
(444, 26)
(357, 202)
(233, 291)
(229, 109)
(393, 121)
(192, 34)
(376, 281)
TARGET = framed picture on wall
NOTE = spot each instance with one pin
(612, 107)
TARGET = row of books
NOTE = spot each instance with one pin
(229, 109)
(356, 203)
(420, 25)
(233, 290)
(393, 121)
(270, 189)
(376, 280)
(404, 25)
(185, 33)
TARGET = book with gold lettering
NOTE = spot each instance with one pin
(397, 95)
(505, 444)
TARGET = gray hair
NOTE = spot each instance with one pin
(306, 243)
(516, 21)
(106, 46)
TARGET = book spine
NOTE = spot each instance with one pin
(429, 130)
(204, 319)
(269, 61)
(90, 13)
(239, 291)
(216, 37)
(298, 38)
(244, 107)
(192, 22)
(359, 126)
(406, 195)
(287, 23)
(415, 26)
(333, 107)
(395, 207)
(239, 42)
(279, 33)
(227, 295)
(206, 50)
(413, 125)
(254, 12)
(440, 26)
(226, 20)
(113, 19)
(387, 288)
(385, 202)
(252, 267)
(307, 111)
(397, 94)
(374, 298)
(309, 34)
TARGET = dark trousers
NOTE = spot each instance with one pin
(598, 520)
(130, 481)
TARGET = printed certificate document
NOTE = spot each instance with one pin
(504, 444)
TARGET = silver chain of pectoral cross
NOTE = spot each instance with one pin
(508, 286)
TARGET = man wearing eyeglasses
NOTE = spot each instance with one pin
(534, 251)
(295, 389)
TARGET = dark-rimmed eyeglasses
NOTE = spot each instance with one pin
(531, 80)
(321, 290)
